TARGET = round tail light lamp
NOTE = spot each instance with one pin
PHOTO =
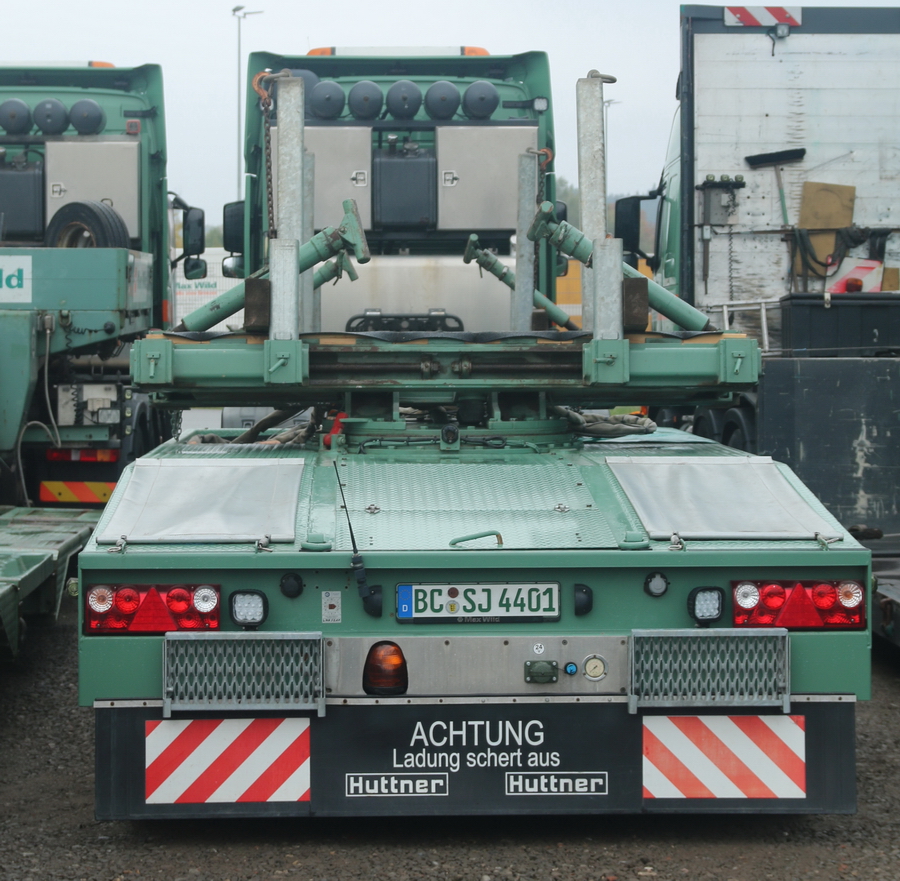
(850, 594)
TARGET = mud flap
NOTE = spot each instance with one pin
(431, 759)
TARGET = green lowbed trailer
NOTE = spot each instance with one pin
(457, 587)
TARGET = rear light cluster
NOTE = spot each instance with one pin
(799, 605)
(151, 608)
(65, 454)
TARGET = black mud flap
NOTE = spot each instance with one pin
(434, 759)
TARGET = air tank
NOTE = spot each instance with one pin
(87, 117)
(480, 100)
(365, 100)
(327, 100)
(15, 117)
(404, 99)
(441, 100)
(51, 116)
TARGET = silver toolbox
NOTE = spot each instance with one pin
(343, 157)
(98, 170)
(478, 175)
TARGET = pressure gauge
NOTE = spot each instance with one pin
(594, 668)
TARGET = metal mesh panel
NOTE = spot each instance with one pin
(243, 671)
(728, 668)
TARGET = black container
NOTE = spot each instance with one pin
(22, 199)
(853, 325)
(404, 189)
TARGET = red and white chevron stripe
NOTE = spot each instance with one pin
(763, 16)
(870, 274)
(226, 760)
(724, 757)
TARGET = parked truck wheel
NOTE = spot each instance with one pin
(740, 429)
(708, 423)
(87, 225)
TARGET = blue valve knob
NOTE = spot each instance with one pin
(571, 668)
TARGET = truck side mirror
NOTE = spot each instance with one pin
(194, 268)
(193, 232)
(628, 223)
(233, 228)
(233, 266)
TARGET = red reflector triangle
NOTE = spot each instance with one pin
(799, 611)
(152, 616)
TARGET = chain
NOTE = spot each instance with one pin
(265, 104)
(270, 196)
(175, 420)
(731, 210)
(547, 155)
(730, 265)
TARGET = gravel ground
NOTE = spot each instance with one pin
(47, 830)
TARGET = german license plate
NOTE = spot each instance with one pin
(478, 603)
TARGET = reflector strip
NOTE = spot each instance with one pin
(762, 16)
(724, 757)
(226, 761)
(87, 492)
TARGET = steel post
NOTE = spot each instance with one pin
(601, 289)
(285, 278)
(522, 299)
(607, 290)
(286, 311)
(310, 295)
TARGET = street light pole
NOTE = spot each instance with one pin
(239, 13)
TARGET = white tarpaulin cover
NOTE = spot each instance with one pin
(217, 500)
(716, 498)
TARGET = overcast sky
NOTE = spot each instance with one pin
(195, 41)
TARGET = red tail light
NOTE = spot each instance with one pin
(799, 605)
(65, 454)
(151, 608)
(385, 670)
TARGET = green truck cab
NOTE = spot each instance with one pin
(85, 263)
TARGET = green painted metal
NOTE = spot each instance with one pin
(330, 242)
(74, 302)
(666, 303)
(125, 95)
(19, 367)
(573, 242)
(440, 459)
(487, 260)
(232, 300)
(518, 79)
(562, 235)
(577, 371)
(35, 550)
(506, 491)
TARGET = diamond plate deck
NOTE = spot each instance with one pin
(424, 506)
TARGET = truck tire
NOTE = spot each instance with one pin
(708, 423)
(739, 432)
(87, 225)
